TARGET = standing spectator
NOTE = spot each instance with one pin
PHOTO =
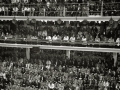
(0, 11)
(94, 31)
(3, 10)
(6, 11)
(15, 11)
(32, 11)
(10, 10)
(23, 11)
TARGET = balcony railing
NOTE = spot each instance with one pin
(57, 9)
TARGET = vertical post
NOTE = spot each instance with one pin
(68, 53)
(64, 11)
(28, 53)
(44, 12)
(88, 5)
(101, 8)
(115, 58)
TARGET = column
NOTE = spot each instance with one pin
(28, 53)
(115, 58)
(68, 53)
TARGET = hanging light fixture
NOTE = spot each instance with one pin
(119, 21)
(59, 21)
(85, 22)
(27, 21)
(111, 21)
(33, 21)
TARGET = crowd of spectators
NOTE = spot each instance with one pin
(65, 31)
(59, 8)
(53, 70)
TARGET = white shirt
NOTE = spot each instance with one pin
(51, 86)
(72, 39)
(3, 8)
(66, 38)
(48, 38)
(84, 39)
(25, 9)
(54, 38)
(118, 40)
(28, 9)
(97, 39)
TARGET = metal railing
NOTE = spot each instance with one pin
(63, 10)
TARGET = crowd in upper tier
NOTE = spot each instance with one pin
(53, 70)
(61, 31)
(59, 8)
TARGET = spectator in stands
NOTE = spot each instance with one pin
(51, 86)
(84, 38)
(3, 10)
(118, 40)
(72, 38)
(33, 11)
(15, 11)
(23, 11)
(94, 31)
(6, 11)
(59, 37)
(49, 38)
(111, 40)
(97, 39)
(66, 38)
(54, 38)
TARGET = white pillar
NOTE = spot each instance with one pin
(115, 58)
(68, 53)
(28, 53)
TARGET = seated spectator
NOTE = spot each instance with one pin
(118, 40)
(32, 11)
(6, 11)
(97, 39)
(72, 38)
(111, 40)
(54, 38)
(49, 38)
(34, 37)
(66, 38)
(84, 38)
(59, 37)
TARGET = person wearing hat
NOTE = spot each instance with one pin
(94, 31)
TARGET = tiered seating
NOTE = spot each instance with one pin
(60, 8)
(75, 32)
(52, 70)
